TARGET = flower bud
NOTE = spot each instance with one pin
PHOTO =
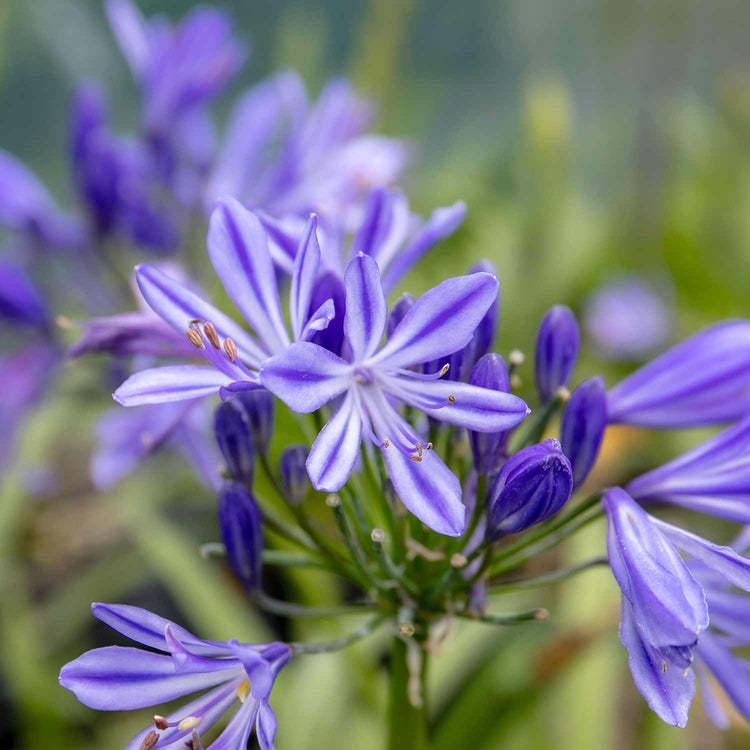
(532, 486)
(556, 350)
(233, 436)
(294, 472)
(400, 307)
(583, 424)
(258, 405)
(487, 447)
(242, 533)
(20, 300)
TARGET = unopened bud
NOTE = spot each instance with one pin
(532, 486)
(294, 472)
(583, 424)
(487, 447)
(259, 407)
(234, 438)
(556, 350)
(241, 527)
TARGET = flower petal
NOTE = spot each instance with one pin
(442, 223)
(265, 726)
(731, 672)
(479, 409)
(319, 320)
(131, 32)
(440, 322)
(178, 306)
(171, 383)
(121, 679)
(336, 448)
(668, 691)
(238, 248)
(303, 277)
(305, 376)
(237, 732)
(366, 311)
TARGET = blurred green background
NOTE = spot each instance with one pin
(589, 137)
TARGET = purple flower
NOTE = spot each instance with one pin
(488, 448)
(123, 679)
(232, 433)
(627, 319)
(583, 424)
(712, 478)
(238, 248)
(289, 157)
(556, 351)
(532, 486)
(242, 533)
(20, 299)
(703, 380)
(665, 611)
(306, 376)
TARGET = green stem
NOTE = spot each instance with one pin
(548, 578)
(290, 609)
(326, 647)
(407, 721)
(530, 616)
(391, 570)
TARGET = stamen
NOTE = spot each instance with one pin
(451, 398)
(231, 349)
(189, 722)
(195, 321)
(419, 449)
(160, 722)
(149, 741)
(211, 335)
(416, 459)
(242, 690)
(663, 666)
(428, 447)
(386, 443)
(195, 338)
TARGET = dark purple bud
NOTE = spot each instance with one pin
(259, 406)
(488, 447)
(294, 472)
(241, 528)
(583, 424)
(400, 307)
(235, 441)
(532, 486)
(556, 350)
(20, 300)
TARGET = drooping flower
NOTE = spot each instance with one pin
(665, 610)
(238, 249)
(583, 424)
(118, 678)
(556, 351)
(306, 376)
(531, 487)
(703, 380)
(712, 478)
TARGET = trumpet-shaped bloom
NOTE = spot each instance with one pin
(703, 380)
(712, 478)
(234, 675)
(238, 249)
(306, 377)
(665, 607)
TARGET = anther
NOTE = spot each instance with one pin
(189, 722)
(160, 722)
(417, 459)
(406, 629)
(562, 394)
(516, 357)
(195, 321)
(419, 449)
(458, 560)
(377, 535)
(386, 443)
(195, 338)
(231, 349)
(211, 335)
(663, 666)
(149, 741)
(444, 369)
(451, 398)
(428, 447)
(333, 501)
(242, 690)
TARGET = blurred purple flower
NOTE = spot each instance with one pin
(306, 376)
(21, 302)
(115, 678)
(626, 319)
(703, 380)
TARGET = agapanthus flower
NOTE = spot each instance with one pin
(305, 377)
(712, 478)
(288, 156)
(703, 380)
(238, 248)
(665, 611)
(239, 675)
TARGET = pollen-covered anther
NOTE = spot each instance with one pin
(195, 338)
(211, 334)
(230, 348)
(149, 741)
(417, 458)
(189, 722)
(451, 398)
(160, 722)
(242, 690)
